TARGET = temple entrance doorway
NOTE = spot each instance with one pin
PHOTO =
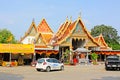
(78, 43)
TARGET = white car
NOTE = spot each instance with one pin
(49, 64)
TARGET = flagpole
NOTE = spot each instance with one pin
(10, 58)
(34, 54)
(9, 40)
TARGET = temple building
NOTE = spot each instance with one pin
(71, 35)
(40, 36)
(74, 36)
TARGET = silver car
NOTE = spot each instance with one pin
(49, 64)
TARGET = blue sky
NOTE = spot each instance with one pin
(17, 15)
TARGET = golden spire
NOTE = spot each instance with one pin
(67, 19)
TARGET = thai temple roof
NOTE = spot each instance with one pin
(101, 41)
(43, 31)
(68, 27)
(44, 35)
(43, 27)
(63, 31)
(42, 40)
(31, 31)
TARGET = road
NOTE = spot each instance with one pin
(79, 72)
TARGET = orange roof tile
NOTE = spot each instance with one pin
(66, 32)
(62, 30)
(102, 43)
(47, 37)
(43, 27)
(101, 40)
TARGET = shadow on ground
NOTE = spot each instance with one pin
(108, 78)
(6, 76)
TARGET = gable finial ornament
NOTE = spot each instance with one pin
(67, 19)
(80, 14)
(71, 18)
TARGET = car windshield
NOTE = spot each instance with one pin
(41, 60)
(112, 58)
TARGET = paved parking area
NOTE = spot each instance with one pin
(79, 72)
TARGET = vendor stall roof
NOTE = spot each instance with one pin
(82, 50)
(16, 48)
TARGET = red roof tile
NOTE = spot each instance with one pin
(43, 27)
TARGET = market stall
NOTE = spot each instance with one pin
(13, 54)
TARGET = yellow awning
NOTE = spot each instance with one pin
(16, 48)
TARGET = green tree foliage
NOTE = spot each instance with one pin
(94, 57)
(66, 55)
(6, 36)
(109, 33)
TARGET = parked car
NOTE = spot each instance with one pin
(49, 64)
(112, 62)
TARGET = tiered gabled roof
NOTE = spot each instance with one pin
(63, 28)
(86, 31)
(43, 27)
(46, 37)
(102, 43)
(45, 31)
(66, 30)
(41, 41)
(32, 31)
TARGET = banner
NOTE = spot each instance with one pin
(16, 48)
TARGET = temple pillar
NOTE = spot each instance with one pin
(62, 52)
(71, 54)
(87, 54)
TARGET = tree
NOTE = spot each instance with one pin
(66, 56)
(6, 36)
(94, 57)
(109, 33)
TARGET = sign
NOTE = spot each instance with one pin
(16, 48)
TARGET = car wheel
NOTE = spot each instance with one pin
(62, 68)
(38, 69)
(107, 68)
(48, 69)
